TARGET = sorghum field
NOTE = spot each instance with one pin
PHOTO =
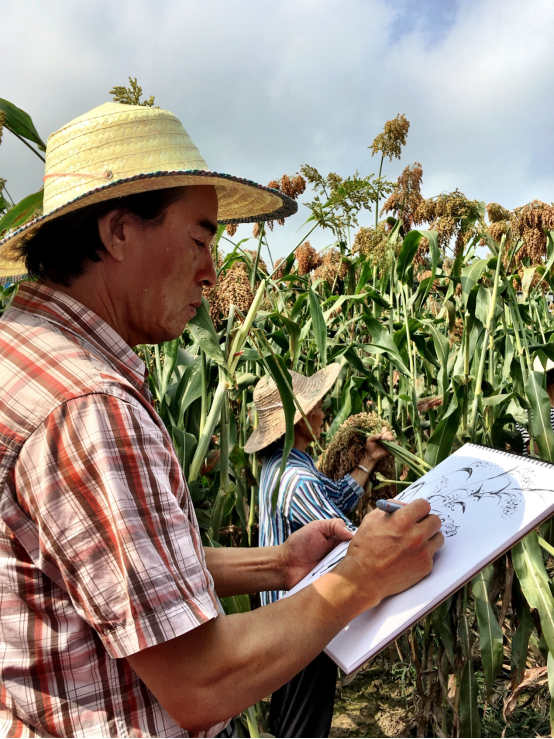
(435, 313)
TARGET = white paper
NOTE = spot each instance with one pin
(487, 500)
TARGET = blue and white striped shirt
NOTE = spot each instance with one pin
(305, 494)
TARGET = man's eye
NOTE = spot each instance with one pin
(201, 244)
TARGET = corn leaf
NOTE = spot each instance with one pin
(406, 254)
(320, 328)
(540, 414)
(19, 122)
(439, 445)
(472, 274)
(283, 380)
(520, 639)
(21, 212)
(534, 580)
(189, 388)
(442, 623)
(490, 634)
(203, 332)
(470, 722)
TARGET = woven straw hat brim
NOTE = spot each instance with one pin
(239, 201)
(116, 150)
(271, 422)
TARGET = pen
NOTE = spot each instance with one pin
(389, 506)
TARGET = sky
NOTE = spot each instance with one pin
(265, 87)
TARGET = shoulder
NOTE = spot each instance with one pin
(43, 367)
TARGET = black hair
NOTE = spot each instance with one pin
(550, 377)
(60, 249)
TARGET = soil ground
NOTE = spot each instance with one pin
(372, 705)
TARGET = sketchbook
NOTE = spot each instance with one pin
(488, 500)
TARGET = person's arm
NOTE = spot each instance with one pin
(220, 668)
(236, 571)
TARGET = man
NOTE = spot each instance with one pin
(108, 622)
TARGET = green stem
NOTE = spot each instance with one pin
(206, 435)
(488, 326)
(254, 273)
(204, 401)
(27, 145)
(377, 200)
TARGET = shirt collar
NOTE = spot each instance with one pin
(70, 315)
(296, 453)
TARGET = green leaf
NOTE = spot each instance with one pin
(19, 122)
(520, 639)
(491, 637)
(550, 663)
(407, 253)
(483, 305)
(170, 349)
(320, 329)
(534, 580)
(365, 274)
(344, 412)
(526, 282)
(21, 212)
(382, 340)
(293, 330)
(203, 332)
(470, 722)
(439, 445)
(472, 274)
(235, 604)
(184, 444)
(540, 414)
(189, 388)
(432, 236)
(283, 380)
(442, 623)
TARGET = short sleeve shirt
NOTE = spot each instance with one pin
(100, 551)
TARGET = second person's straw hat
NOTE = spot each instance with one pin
(116, 150)
(271, 416)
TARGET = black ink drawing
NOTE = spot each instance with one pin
(452, 494)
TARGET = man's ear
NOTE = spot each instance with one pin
(114, 234)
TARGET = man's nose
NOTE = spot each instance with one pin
(208, 274)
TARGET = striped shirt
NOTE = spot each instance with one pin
(305, 494)
(100, 553)
(525, 433)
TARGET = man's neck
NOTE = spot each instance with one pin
(301, 443)
(91, 291)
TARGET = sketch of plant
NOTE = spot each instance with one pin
(453, 493)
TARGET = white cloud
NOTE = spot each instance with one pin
(265, 87)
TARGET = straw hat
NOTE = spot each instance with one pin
(116, 150)
(271, 416)
(537, 365)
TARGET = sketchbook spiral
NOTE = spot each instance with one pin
(487, 499)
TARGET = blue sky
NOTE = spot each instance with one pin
(263, 88)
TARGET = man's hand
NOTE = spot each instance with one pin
(307, 546)
(390, 553)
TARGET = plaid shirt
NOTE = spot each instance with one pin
(100, 553)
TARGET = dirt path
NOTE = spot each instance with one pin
(372, 705)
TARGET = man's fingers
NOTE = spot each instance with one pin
(416, 511)
(339, 530)
(431, 525)
(436, 541)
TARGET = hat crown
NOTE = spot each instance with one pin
(114, 142)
